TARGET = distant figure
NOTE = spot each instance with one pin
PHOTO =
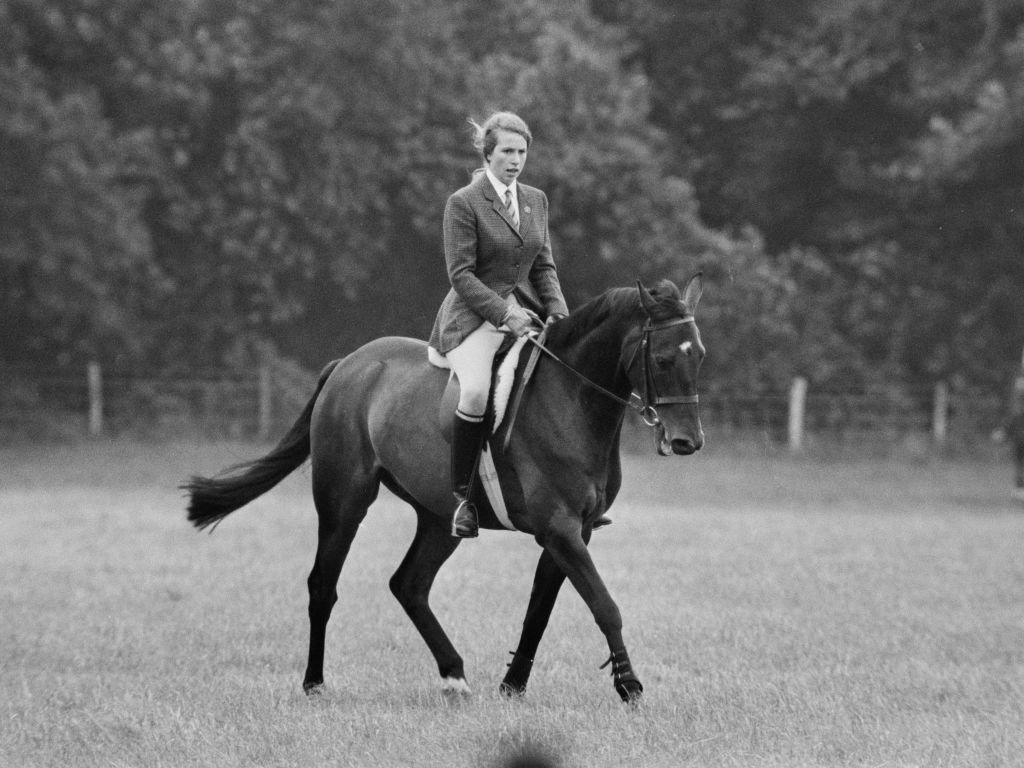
(1013, 430)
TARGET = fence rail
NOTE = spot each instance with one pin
(224, 403)
(262, 403)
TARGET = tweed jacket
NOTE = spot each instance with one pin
(488, 260)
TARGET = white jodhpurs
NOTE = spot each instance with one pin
(472, 361)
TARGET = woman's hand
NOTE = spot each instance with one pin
(521, 321)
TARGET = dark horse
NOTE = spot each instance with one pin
(374, 418)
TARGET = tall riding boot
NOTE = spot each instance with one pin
(467, 440)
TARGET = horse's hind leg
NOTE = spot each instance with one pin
(340, 511)
(411, 584)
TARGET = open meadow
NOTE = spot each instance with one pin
(779, 611)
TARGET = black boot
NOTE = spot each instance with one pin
(467, 439)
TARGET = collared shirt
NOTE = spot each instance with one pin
(500, 189)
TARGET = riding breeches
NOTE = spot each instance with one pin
(472, 362)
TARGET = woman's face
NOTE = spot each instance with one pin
(509, 156)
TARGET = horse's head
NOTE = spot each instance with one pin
(663, 362)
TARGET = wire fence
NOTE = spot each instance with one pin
(935, 414)
(254, 404)
(262, 403)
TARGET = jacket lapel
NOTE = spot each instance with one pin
(499, 205)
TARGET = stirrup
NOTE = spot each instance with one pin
(465, 523)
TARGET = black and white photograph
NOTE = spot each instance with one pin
(529, 384)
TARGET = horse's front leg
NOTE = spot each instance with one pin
(564, 541)
(547, 580)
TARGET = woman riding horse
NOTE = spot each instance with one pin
(496, 245)
(373, 421)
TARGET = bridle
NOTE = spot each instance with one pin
(650, 397)
(646, 402)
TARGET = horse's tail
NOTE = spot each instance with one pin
(211, 499)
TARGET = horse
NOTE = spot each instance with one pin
(374, 419)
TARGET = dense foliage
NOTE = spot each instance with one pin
(202, 182)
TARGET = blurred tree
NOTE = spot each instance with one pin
(195, 183)
(270, 142)
(214, 159)
(76, 265)
(881, 137)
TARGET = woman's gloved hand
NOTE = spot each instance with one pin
(521, 321)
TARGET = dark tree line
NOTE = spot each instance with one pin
(199, 183)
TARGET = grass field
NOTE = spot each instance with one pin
(780, 612)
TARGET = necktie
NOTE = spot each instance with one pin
(511, 208)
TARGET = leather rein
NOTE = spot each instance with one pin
(646, 403)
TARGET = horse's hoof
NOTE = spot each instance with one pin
(630, 691)
(313, 690)
(512, 690)
(455, 687)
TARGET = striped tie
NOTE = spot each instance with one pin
(511, 208)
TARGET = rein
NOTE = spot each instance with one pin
(646, 406)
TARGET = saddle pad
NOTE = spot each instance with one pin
(503, 383)
(504, 380)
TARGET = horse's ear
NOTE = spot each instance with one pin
(691, 293)
(646, 300)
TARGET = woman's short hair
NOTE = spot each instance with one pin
(485, 137)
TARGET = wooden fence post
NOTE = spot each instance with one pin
(940, 412)
(797, 401)
(94, 376)
(265, 403)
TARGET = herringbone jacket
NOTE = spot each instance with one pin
(488, 259)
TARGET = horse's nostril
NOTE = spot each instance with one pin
(683, 446)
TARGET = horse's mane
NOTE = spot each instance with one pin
(618, 302)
